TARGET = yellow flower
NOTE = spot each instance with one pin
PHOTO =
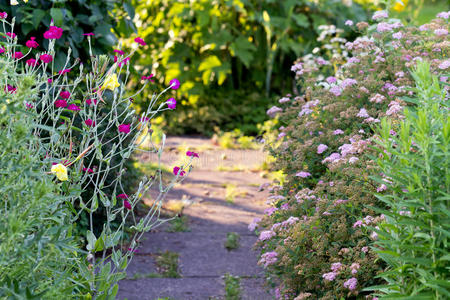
(400, 5)
(111, 82)
(60, 171)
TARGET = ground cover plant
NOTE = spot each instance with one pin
(317, 236)
(58, 137)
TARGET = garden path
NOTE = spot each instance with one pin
(223, 188)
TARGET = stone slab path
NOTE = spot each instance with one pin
(203, 259)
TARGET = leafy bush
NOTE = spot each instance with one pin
(107, 19)
(35, 235)
(414, 238)
(315, 238)
(74, 141)
(230, 54)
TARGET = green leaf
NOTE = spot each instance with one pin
(57, 16)
(38, 15)
(209, 63)
(243, 49)
(301, 20)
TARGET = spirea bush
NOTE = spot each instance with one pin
(316, 237)
(58, 137)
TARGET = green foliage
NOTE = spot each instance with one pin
(235, 140)
(232, 287)
(36, 244)
(167, 263)
(232, 241)
(179, 224)
(107, 19)
(230, 55)
(414, 238)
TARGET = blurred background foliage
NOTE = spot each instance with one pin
(232, 56)
(107, 19)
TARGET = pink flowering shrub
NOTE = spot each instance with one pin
(325, 250)
(80, 134)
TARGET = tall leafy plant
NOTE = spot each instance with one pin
(414, 238)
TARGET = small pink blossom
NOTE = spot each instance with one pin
(89, 122)
(362, 113)
(331, 79)
(53, 33)
(335, 90)
(120, 52)
(3, 15)
(31, 62)
(338, 131)
(329, 276)
(127, 204)
(443, 15)
(174, 84)
(60, 103)
(441, 32)
(321, 148)
(73, 107)
(31, 43)
(12, 35)
(303, 174)
(89, 34)
(381, 14)
(88, 170)
(397, 35)
(351, 283)
(122, 196)
(192, 154)
(445, 64)
(46, 58)
(125, 128)
(64, 94)
(64, 71)
(171, 103)
(273, 111)
(353, 159)
(335, 267)
(265, 235)
(18, 55)
(178, 171)
(349, 23)
(91, 101)
(140, 41)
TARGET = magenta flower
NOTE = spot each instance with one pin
(125, 128)
(64, 71)
(46, 58)
(338, 131)
(192, 154)
(2, 50)
(303, 174)
(53, 33)
(65, 94)
(31, 43)
(11, 34)
(10, 89)
(18, 55)
(127, 204)
(348, 23)
(31, 62)
(171, 103)
(73, 107)
(91, 101)
(89, 34)
(120, 52)
(178, 171)
(265, 235)
(140, 41)
(89, 122)
(49, 80)
(149, 78)
(3, 15)
(60, 103)
(174, 84)
(29, 105)
(144, 119)
(122, 196)
(88, 170)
